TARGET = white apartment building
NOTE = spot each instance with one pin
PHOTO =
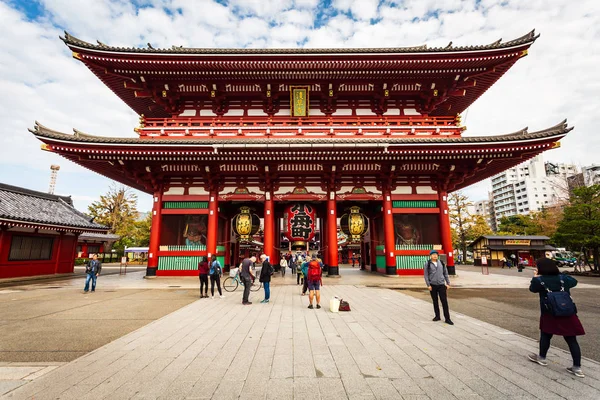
(591, 175)
(529, 187)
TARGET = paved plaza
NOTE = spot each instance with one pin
(386, 347)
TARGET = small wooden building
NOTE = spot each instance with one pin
(39, 232)
(518, 249)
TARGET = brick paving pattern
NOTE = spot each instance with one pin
(387, 347)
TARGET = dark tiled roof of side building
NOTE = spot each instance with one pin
(29, 206)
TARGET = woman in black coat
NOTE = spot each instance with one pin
(569, 327)
(265, 277)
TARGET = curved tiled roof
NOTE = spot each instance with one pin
(24, 205)
(73, 41)
(559, 129)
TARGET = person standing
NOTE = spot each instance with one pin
(438, 282)
(92, 270)
(283, 264)
(216, 272)
(299, 276)
(265, 276)
(203, 275)
(547, 278)
(304, 271)
(315, 282)
(247, 277)
(503, 262)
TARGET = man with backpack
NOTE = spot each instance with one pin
(216, 272)
(437, 281)
(314, 281)
(92, 269)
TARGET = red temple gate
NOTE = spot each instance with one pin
(330, 128)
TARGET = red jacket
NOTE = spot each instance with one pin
(203, 268)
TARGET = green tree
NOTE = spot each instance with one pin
(518, 225)
(460, 219)
(478, 227)
(117, 210)
(141, 233)
(580, 226)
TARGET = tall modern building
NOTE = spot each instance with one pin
(591, 175)
(529, 187)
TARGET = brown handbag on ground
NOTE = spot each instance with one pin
(344, 305)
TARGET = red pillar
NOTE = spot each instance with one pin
(446, 232)
(227, 244)
(74, 251)
(269, 227)
(332, 248)
(213, 224)
(276, 240)
(61, 242)
(154, 234)
(4, 243)
(388, 229)
(373, 245)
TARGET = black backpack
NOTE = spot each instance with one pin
(559, 304)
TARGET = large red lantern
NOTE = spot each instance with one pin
(300, 219)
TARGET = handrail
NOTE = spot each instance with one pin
(248, 121)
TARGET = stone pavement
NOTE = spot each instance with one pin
(387, 347)
(349, 276)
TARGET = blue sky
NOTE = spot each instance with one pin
(42, 82)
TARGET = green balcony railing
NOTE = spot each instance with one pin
(182, 263)
(414, 204)
(185, 204)
(183, 248)
(414, 247)
(410, 262)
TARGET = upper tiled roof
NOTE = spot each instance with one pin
(28, 206)
(558, 130)
(497, 45)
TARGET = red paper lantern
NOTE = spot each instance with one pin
(300, 218)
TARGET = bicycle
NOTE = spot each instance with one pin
(231, 284)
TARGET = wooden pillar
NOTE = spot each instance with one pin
(61, 239)
(373, 245)
(213, 224)
(155, 231)
(332, 248)
(323, 238)
(4, 243)
(363, 254)
(269, 227)
(388, 229)
(227, 259)
(74, 250)
(276, 239)
(446, 232)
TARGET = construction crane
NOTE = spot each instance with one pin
(54, 168)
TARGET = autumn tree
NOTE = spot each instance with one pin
(141, 233)
(517, 225)
(116, 210)
(460, 219)
(580, 225)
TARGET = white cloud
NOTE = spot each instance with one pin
(41, 81)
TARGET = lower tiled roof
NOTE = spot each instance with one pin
(558, 130)
(28, 206)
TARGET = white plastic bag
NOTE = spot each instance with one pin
(233, 272)
(334, 304)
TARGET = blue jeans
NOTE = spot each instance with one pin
(267, 286)
(91, 277)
